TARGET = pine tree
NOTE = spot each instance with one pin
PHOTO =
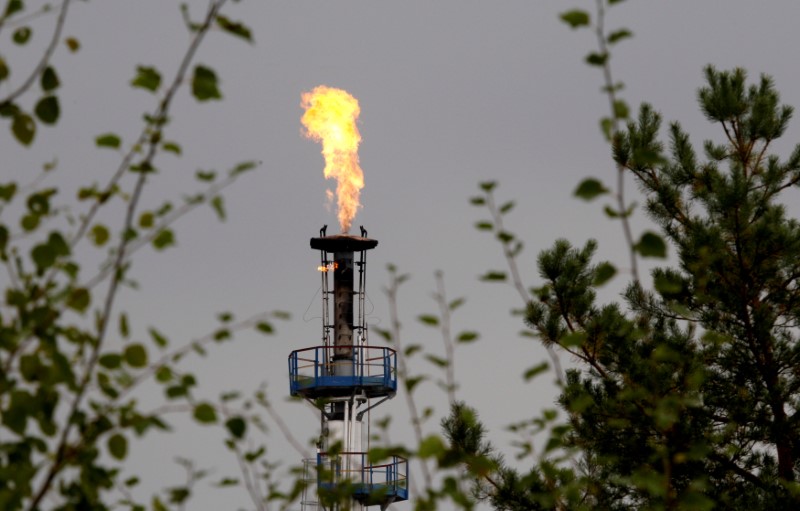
(685, 396)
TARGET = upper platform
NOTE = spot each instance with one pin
(343, 243)
(320, 373)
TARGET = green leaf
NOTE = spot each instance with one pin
(219, 207)
(164, 239)
(146, 78)
(264, 327)
(413, 348)
(205, 413)
(204, 84)
(234, 27)
(236, 426)
(146, 220)
(79, 299)
(118, 446)
(22, 35)
(484, 226)
(437, 361)
(621, 110)
(467, 336)
(172, 147)
(535, 371)
(619, 35)
(432, 447)
(651, 245)
(505, 208)
(494, 276)
(8, 191)
(124, 331)
(458, 302)
(242, 167)
(575, 18)
(4, 71)
(47, 109)
(23, 127)
(108, 140)
(428, 319)
(12, 7)
(99, 234)
(110, 360)
(49, 80)
(43, 256)
(158, 338)
(204, 176)
(135, 355)
(590, 188)
(488, 186)
(597, 59)
(73, 44)
(603, 273)
(477, 201)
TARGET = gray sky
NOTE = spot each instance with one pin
(452, 92)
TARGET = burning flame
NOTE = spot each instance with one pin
(330, 117)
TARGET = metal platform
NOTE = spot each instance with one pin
(317, 373)
(370, 484)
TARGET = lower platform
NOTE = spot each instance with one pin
(371, 484)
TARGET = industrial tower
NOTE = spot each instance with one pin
(344, 379)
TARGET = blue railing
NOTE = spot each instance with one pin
(388, 480)
(316, 370)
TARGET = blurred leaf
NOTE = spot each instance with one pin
(73, 44)
(458, 302)
(621, 110)
(49, 79)
(590, 188)
(13, 6)
(477, 201)
(4, 71)
(412, 348)
(508, 206)
(47, 109)
(651, 245)
(124, 331)
(146, 220)
(488, 186)
(535, 371)
(264, 327)
(110, 360)
(234, 27)
(467, 336)
(158, 338)
(219, 207)
(205, 413)
(432, 447)
(413, 382)
(428, 319)
(205, 176)
(8, 191)
(79, 299)
(135, 355)
(494, 276)
(604, 272)
(236, 426)
(23, 127)
(22, 35)
(163, 374)
(172, 147)
(619, 35)
(164, 239)
(99, 234)
(437, 361)
(146, 78)
(596, 59)
(484, 226)
(108, 140)
(204, 84)
(243, 167)
(575, 18)
(118, 446)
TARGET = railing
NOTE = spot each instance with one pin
(387, 480)
(319, 369)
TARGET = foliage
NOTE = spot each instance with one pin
(72, 371)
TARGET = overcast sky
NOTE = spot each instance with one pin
(452, 92)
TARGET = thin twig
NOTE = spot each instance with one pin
(62, 16)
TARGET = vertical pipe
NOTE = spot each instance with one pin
(343, 313)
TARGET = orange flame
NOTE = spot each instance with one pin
(330, 117)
